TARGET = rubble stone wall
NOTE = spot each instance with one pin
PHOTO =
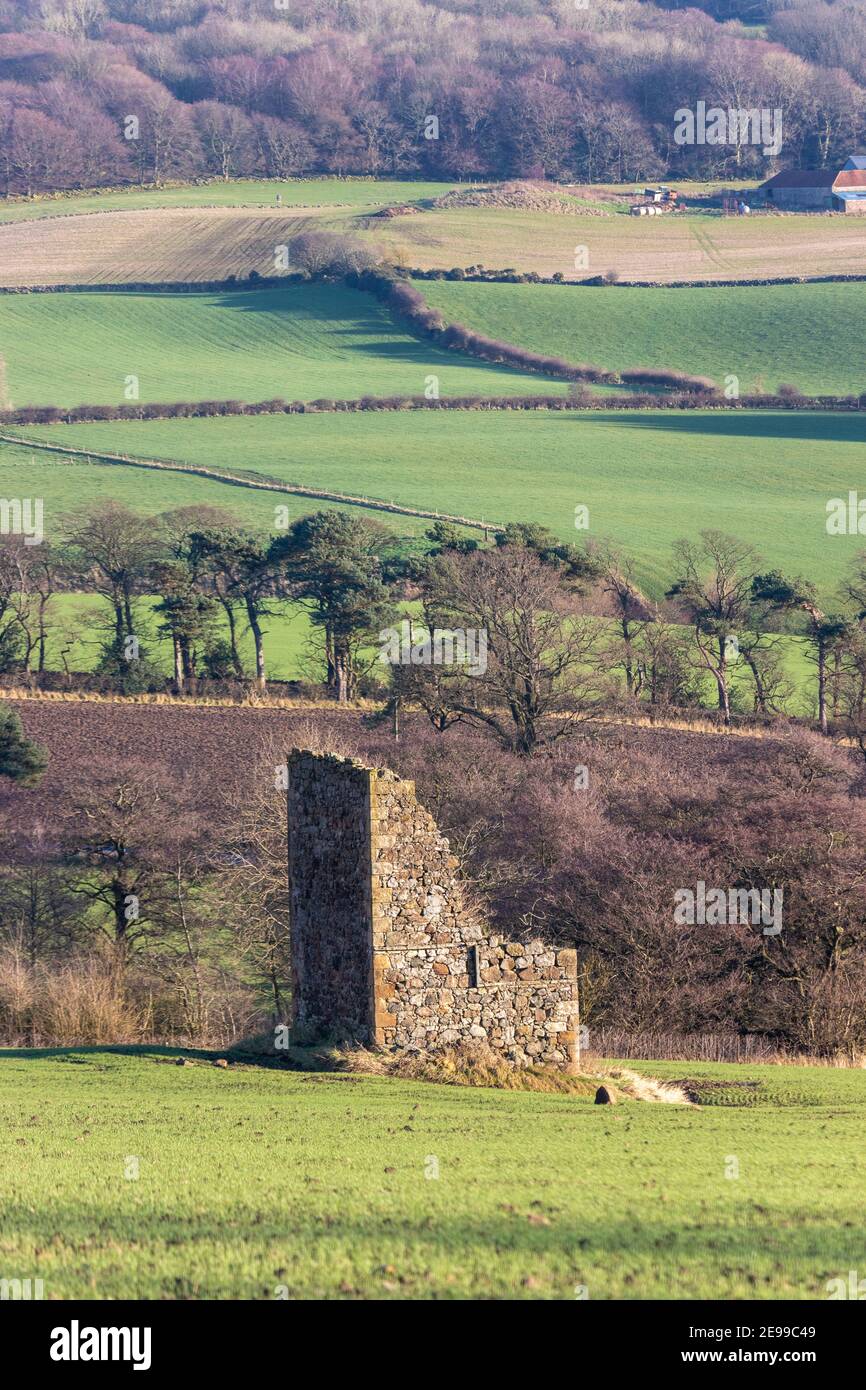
(379, 907)
(329, 898)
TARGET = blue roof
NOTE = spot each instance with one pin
(856, 161)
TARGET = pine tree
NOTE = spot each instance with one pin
(20, 759)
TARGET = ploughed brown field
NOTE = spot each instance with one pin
(177, 244)
(209, 753)
(204, 752)
(201, 244)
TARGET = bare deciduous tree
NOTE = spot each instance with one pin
(713, 589)
(537, 679)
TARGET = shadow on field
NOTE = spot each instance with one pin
(238, 1055)
(105, 1049)
(736, 424)
(741, 1258)
(384, 337)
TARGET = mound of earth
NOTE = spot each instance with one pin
(398, 210)
(531, 197)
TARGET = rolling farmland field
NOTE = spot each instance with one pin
(647, 477)
(688, 246)
(209, 233)
(764, 334)
(64, 483)
(300, 343)
(154, 247)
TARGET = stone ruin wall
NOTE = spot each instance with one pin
(329, 878)
(386, 950)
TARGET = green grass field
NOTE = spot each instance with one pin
(763, 334)
(647, 478)
(262, 1184)
(292, 648)
(65, 484)
(357, 194)
(300, 343)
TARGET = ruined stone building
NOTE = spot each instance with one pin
(385, 951)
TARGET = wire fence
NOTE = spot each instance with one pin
(260, 484)
(682, 1047)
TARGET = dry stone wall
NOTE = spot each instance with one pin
(386, 948)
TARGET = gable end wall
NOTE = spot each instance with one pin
(408, 963)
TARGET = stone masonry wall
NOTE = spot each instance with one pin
(416, 968)
(329, 897)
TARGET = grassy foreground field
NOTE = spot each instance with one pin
(124, 1176)
(648, 478)
(300, 343)
(763, 334)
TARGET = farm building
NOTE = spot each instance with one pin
(827, 190)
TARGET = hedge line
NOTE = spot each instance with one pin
(471, 275)
(253, 281)
(406, 302)
(582, 400)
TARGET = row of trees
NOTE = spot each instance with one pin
(96, 91)
(212, 581)
(565, 628)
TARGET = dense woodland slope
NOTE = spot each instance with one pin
(96, 92)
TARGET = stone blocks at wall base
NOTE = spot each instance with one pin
(386, 949)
